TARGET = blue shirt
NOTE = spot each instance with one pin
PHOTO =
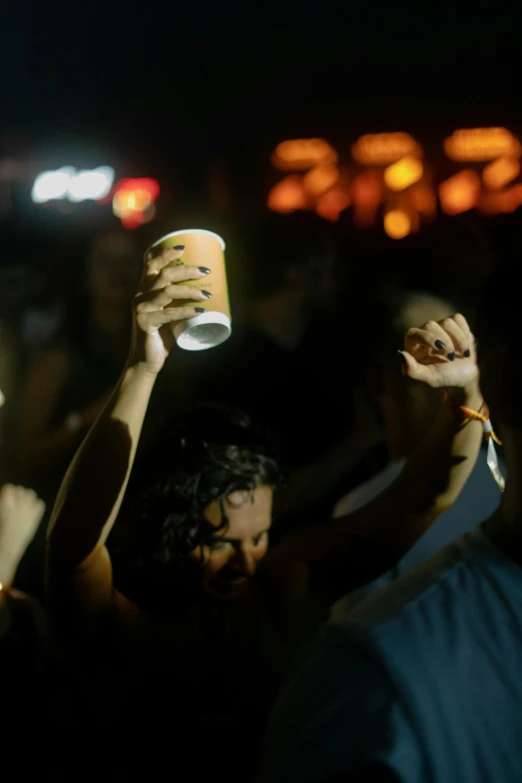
(478, 500)
(425, 677)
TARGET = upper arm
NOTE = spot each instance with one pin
(82, 597)
(42, 390)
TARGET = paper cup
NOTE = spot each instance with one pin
(202, 248)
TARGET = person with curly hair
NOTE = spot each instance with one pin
(201, 617)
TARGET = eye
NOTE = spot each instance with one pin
(217, 545)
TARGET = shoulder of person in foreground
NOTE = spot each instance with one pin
(396, 680)
(335, 717)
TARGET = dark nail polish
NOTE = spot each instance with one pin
(205, 270)
(200, 309)
(440, 345)
(207, 294)
(179, 247)
(451, 356)
(467, 353)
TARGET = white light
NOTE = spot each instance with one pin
(51, 185)
(73, 185)
(93, 185)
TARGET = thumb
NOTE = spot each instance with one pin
(410, 366)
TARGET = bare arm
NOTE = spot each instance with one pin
(21, 512)
(91, 494)
(431, 481)
(79, 573)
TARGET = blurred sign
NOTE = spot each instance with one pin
(387, 178)
(460, 193)
(303, 154)
(500, 173)
(397, 224)
(288, 195)
(381, 149)
(481, 144)
(72, 185)
(407, 171)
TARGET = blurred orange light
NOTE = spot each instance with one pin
(288, 195)
(505, 201)
(320, 179)
(423, 200)
(367, 191)
(404, 173)
(331, 204)
(381, 149)
(481, 144)
(498, 174)
(460, 193)
(302, 154)
(397, 224)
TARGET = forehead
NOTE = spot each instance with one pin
(249, 512)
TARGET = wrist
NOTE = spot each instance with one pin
(470, 395)
(140, 372)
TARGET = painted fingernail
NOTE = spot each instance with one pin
(467, 353)
(440, 345)
(207, 294)
(451, 356)
(199, 309)
(204, 270)
(179, 247)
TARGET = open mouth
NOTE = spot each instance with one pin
(231, 586)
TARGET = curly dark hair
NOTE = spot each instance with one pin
(211, 451)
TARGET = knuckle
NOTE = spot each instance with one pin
(175, 290)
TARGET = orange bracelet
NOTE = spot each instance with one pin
(473, 415)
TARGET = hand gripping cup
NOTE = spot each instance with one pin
(202, 248)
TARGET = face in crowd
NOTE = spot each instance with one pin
(229, 558)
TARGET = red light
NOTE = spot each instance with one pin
(150, 186)
(132, 198)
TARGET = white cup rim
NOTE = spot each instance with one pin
(209, 317)
(190, 231)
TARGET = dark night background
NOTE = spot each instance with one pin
(162, 89)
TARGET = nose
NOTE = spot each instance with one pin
(245, 560)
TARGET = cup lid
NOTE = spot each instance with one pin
(190, 231)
